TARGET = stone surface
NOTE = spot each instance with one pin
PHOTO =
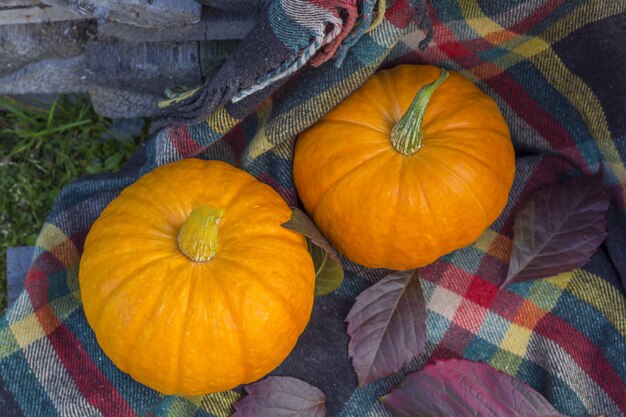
(23, 44)
(117, 103)
(215, 25)
(144, 13)
(126, 54)
(147, 68)
(18, 3)
(37, 14)
(47, 77)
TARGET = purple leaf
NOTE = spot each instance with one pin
(558, 229)
(281, 396)
(328, 269)
(461, 388)
(387, 326)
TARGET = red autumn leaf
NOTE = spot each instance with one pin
(461, 388)
(328, 269)
(558, 229)
(387, 326)
(281, 396)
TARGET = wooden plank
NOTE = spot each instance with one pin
(215, 25)
(23, 44)
(7, 4)
(148, 68)
(49, 76)
(143, 13)
(119, 103)
(38, 15)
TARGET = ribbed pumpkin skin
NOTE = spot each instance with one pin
(384, 209)
(189, 328)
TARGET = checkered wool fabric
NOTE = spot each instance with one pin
(556, 69)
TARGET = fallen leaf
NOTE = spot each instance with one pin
(558, 229)
(387, 326)
(328, 269)
(281, 396)
(462, 388)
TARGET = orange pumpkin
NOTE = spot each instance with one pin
(190, 282)
(396, 178)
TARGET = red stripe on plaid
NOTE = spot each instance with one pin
(507, 304)
(49, 263)
(481, 292)
(581, 349)
(48, 320)
(534, 115)
(400, 14)
(529, 315)
(506, 87)
(537, 16)
(453, 344)
(181, 140)
(349, 13)
(492, 270)
(79, 240)
(448, 276)
(236, 139)
(92, 384)
(470, 316)
(37, 287)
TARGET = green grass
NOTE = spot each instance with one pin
(40, 152)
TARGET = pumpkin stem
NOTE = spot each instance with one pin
(197, 237)
(406, 135)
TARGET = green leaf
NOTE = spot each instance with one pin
(112, 163)
(328, 271)
(93, 169)
(328, 268)
(31, 240)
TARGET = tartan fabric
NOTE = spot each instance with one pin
(555, 67)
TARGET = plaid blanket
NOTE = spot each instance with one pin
(556, 69)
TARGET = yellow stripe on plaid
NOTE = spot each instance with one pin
(546, 293)
(260, 143)
(182, 406)
(539, 51)
(8, 343)
(582, 98)
(597, 292)
(506, 361)
(50, 237)
(221, 121)
(516, 340)
(589, 11)
(53, 240)
(494, 244)
(300, 117)
(220, 404)
(27, 331)
(37, 325)
(64, 306)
